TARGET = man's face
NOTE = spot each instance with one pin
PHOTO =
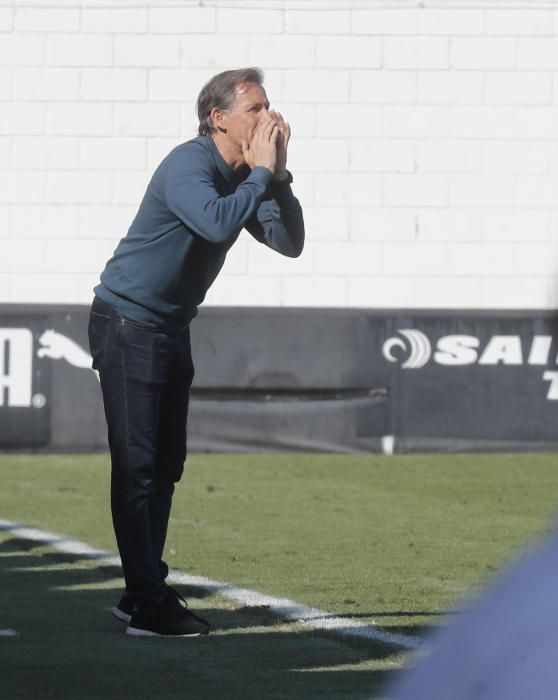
(249, 108)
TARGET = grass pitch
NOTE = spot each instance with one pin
(397, 541)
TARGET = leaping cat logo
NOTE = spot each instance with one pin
(59, 347)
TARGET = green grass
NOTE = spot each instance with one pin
(398, 541)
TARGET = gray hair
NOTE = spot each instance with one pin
(220, 92)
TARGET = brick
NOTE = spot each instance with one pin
(46, 19)
(506, 293)
(334, 258)
(519, 88)
(383, 87)
(129, 187)
(315, 291)
(150, 120)
(79, 50)
(346, 121)
(21, 187)
(449, 292)
(384, 22)
(517, 22)
(236, 290)
(45, 288)
(237, 258)
(319, 155)
(214, 51)
(249, 21)
(448, 156)
(158, 148)
(322, 22)
(182, 20)
(46, 153)
(421, 259)
(349, 52)
(280, 51)
(326, 223)
(516, 157)
(274, 86)
(22, 118)
(536, 123)
(416, 122)
(415, 190)
(22, 50)
(86, 284)
(536, 191)
(490, 259)
(79, 188)
(516, 225)
(25, 256)
(45, 222)
(305, 189)
(77, 256)
(264, 261)
(382, 224)
(302, 118)
(382, 156)
(76, 119)
(6, 19)
(450, 21)
(382, 292)
(450, 87)
(45, 84)
(6, 80)
(537, 54)
(6, 151)
(316, 86)
(449, 225)
(114, 20)
(105, 221)
(147, 51)
(175, 84)
(354, 189)
(112, 154)
(416, 53)
(483, 122)
(5, 221)
(115, 84)
(485, 53)
(483, 190)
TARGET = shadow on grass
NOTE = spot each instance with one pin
(69, 646)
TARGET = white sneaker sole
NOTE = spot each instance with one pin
(137, 632)
(119, 615)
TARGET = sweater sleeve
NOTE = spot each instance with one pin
(278, 221)
(191, 195)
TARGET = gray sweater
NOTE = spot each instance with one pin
(194, 208)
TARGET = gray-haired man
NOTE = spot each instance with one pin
(231, 176)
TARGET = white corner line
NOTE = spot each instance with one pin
(314, 618)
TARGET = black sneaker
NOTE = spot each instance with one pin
(123, 611)
(166, 619)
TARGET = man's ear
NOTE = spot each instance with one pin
(219, 119)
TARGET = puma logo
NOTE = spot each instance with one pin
(59, 347)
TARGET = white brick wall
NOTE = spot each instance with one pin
(425, 143)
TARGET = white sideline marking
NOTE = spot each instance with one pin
(288, 609)
(8, 633)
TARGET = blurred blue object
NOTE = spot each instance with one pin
(503, 647)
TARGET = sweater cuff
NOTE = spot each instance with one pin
(261, 175)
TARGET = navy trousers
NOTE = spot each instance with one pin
(145, 381)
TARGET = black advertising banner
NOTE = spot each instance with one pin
(305, 379)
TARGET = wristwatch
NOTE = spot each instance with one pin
(286, 180)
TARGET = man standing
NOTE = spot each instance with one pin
(231, 176)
